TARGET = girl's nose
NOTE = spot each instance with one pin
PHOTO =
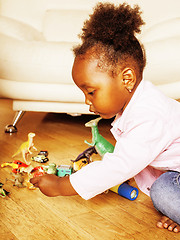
(87, 101)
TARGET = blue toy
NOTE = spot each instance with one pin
(125, 190)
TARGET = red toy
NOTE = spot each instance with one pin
(15, 165)
(39, 171)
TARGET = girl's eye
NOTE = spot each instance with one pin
(91, 93)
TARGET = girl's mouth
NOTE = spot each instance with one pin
(93, 110)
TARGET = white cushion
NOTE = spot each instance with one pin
(63, 25)
(19, 30)
(163, 61)
(41, 61)
(163, 30)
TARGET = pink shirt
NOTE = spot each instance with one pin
(147, 144)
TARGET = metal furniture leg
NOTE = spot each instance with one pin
(11, 128)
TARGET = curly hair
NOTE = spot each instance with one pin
(110, 35)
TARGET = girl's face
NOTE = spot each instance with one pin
(106, 95)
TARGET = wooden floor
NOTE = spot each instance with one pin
(29, 215)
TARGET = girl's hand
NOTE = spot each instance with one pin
(52, 185)
(48, 184)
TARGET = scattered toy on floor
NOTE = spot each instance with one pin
(64, 170)
(101, 145)
(38, 171)
(22, 172)
(18, 180)
(125, 190)
(26, 146)
(3, 192)
(51, 169)
(83, 158)
(79, 164)
(43, 152)
(27, 170)
(40, 158)
(86, 154)
(15, 165)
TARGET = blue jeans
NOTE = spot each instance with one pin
(165, 195)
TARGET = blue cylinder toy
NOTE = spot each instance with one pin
(125, 190)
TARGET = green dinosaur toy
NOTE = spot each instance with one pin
(101, 145)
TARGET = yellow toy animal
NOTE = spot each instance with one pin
(26, 146)
(79, 164)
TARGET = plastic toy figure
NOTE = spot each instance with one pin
(38, 171)
(26, 146)
(51, 169)
(86, 154)
(3, 192)
(27, 170)
(18, 180)
(79, 164)
(40, 158)
(64, 170)
(125, 190)
(15, 165)
(101, 145)
(43, 152)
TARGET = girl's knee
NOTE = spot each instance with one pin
(162, 188)
(165, 195)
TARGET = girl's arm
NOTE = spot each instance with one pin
(52, 185)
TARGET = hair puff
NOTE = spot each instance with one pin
(113, 25)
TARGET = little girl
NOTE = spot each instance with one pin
(108, 68)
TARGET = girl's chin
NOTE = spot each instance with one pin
(106, 116)
(103, 115)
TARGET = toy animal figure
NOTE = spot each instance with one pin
(78, 163)
(86, 154)
(26, 146)
(51, 169)
(18, 180)
(15, 165)
(3, 192)
(27, 169)
(101, 145)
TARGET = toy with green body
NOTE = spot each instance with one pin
(102, 146)
(25, 147)
(51, 169)
(3, 192)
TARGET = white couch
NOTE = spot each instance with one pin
(36, 38)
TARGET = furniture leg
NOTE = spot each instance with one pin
(11, 128)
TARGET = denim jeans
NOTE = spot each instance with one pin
(165, 195)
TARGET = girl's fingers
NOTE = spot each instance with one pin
(34, 180)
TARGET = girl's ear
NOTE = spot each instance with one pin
(129, 78)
